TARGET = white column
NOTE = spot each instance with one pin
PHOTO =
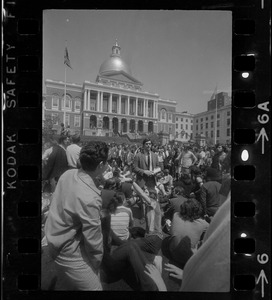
(89, 99)
(110, 104)
(85, 99)
(144, 105)
(119, 105)
(97, 101)
(128, 109)
(101, 102)
(136, 109)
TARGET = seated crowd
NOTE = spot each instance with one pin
(116, 215)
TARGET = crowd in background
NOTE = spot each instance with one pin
(91, 191)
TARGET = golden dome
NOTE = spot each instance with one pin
(114, 63)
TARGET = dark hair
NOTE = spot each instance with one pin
(75, 138)
(113, 183)
(116, 201)
(62, 138)
(92, 154)
(146, 140)
(178, 190)
(191, 210)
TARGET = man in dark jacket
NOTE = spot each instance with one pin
(209, 192)
(146, 165)
(57, 162)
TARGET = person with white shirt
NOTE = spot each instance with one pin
(73, 152)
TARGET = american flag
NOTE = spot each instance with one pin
(66, 58)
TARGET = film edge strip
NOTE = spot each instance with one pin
(16, 140)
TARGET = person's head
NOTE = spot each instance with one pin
(212, 174)
(75, 139)
(178, 190)
(191, 210)
(62, 124)
(113, 183)
(147, 144)
(219, 148)
(93, 157)
(63, 140)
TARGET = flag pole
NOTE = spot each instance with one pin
(64, 101)
(215, 125)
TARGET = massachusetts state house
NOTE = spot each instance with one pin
(114, 103)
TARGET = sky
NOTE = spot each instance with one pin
(180, 55)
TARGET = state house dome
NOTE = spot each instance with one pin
(114, 63)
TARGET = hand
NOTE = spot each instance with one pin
(148, 173)
(174, 271)
(155, 275)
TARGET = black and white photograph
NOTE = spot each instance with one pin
(136, 150)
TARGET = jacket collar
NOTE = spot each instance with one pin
(87, 179)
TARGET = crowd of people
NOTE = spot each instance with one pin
(182, 198)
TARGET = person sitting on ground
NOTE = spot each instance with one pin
(187, 184)
(121, 216)
(175, 202)
(187, 229)
(112, 185)
(167, 182)
(209, 193)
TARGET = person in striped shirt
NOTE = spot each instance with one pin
(121, 216)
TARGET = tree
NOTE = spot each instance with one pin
(48, 131)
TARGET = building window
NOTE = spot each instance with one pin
(201, 126)
(212, 134)
(196, 127)
(201, 120)
(55, 119)
(181, 126)
(217, 133)
(207, 118)
(169, 117)
(181, 119)
(67, 119)
(206, 133)
(211, 117)
(228, 113)
(176, 119)
(218, 123)
(55, 102)
(76, 121)
(77, 105)
(211, 124)
(218, 116)
(176, 135)
(228, 131)
(186, 120)
(191, 120)
(196, 120)
(191, 127)
(186, 127)
(163, 114)
(68, 103)
(228, 122)
(176, 126)
(207, 125)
